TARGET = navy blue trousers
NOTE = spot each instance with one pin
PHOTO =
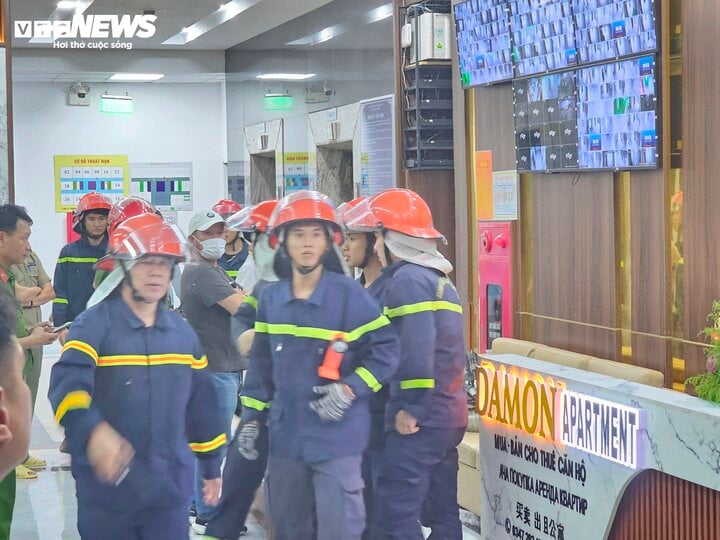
(158, 524)
(417, 483)
(241, 479)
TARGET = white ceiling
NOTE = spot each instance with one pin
(363, 52)
(174, 15)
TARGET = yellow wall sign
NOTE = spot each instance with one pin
(79, 175)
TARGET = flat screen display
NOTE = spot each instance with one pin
(483, 39)
(617, 116)
(542, 36)
(546, 123)
(609, 29)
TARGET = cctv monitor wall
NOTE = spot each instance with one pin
(610, 29)
(483, 38)
(617, 116)
(546, 123)
(542, 35)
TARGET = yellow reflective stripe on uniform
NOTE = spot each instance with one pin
(199, 363)
(232, 273)
(369, 379)
(252, 301)
(254, 403)
(82, 347)
(60, 301)
(77, 260)
(320, 333)
(209, 446)
(431, 305)
(79, 399)
(359, 332)
(152, 360)
(413, 384)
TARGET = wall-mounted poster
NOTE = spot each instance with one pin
(78, 175)
(296, 171)
(377, 146)
(165, 185)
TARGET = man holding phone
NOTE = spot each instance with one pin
(15, 230)
(33, 288)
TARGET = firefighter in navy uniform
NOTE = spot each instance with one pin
(74, 271)
(359, 252)
(132, 390)
(426, 416)
(321, 348)
(241, 476)
(236, 261)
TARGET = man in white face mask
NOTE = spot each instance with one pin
(208, 301)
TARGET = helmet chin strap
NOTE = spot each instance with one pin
(135, 293)
(305, 270)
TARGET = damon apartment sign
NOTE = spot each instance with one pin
(89, 31)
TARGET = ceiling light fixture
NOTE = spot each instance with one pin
(137, 77)
(285, 76)
(221, 15)
(380, 13)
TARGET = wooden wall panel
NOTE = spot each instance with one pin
(573, 253)
(657, 506)
(592, 340)
(653, 352)
(438, 189)
(649, 273)
(495, 124)
(701, 132)
(648, 260)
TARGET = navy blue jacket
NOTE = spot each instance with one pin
(152, 386)
(244, 318)
(291, 336)
(425, 310)
(232, 263)
(73, 280)
(378, 402)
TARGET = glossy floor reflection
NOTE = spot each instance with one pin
(46, 508)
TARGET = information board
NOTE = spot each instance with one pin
(78, 175)
(165, 185)
(296, 171)
(377, 146)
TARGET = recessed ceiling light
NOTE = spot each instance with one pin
(68, 4)
(137, 77)
(285, 76)
(380, 13)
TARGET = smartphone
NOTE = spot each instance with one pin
(60, 328)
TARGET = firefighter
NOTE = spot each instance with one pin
(241, 476)
(427, 412)
(359, 252)
(237, 260)
(74, 271)
(321, 347)
(120, 211)
(132, 390)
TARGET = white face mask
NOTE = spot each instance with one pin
(212, 248)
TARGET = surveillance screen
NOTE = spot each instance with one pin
(483, 38)
(608, 29)
(616, 116)
(543, 36)
(546, 123)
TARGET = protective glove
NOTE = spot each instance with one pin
(336, 399)
(246, 441)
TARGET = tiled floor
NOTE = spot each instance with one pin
(46, 509)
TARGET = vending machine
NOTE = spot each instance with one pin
(495, 281)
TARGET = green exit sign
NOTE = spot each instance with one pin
(116, 104)
(278, 102)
